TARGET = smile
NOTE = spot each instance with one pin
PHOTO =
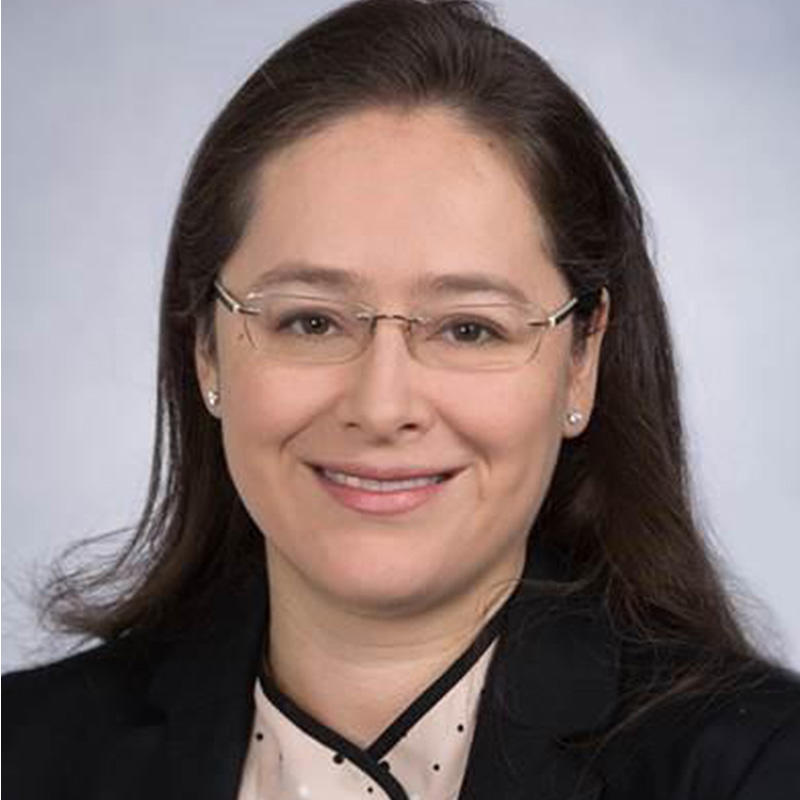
(382, 496)
(373, 485)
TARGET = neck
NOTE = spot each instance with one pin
(356, 671)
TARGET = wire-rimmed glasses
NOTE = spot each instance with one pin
(313, 329)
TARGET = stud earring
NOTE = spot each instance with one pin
(574, 417)
(212, 395)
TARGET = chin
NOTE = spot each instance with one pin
(386, 586)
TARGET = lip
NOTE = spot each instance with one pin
(385, 472)
(382, 503)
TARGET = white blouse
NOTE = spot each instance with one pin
(422, 754)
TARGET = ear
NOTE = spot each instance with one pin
(584, 369)
(205, 362)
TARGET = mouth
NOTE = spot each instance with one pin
(382, 485)
(382, 491)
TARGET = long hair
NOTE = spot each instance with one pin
(618, 507)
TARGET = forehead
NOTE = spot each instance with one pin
(396, 198)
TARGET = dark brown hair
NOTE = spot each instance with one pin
(619, 505)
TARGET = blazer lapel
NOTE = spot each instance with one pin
(193, 741)
(131, 766)
(554, 676)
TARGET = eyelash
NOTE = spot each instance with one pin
(485, 328)
(286, 322)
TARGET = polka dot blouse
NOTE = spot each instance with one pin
(422, 754)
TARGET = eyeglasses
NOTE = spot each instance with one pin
(308, 329)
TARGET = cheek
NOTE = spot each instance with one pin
(514, 425)
(510, 418)
(264, 408)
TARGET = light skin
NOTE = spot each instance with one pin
(366, 610)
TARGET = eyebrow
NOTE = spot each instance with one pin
(305, 272)
(467, 282)
(429, 283)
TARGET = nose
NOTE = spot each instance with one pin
(384, 397)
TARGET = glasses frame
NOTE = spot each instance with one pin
(584, 301)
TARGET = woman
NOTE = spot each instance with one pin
(418, 521)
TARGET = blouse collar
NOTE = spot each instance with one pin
(422, 753)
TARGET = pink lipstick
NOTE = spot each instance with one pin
(382, 491)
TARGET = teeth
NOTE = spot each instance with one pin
(372, 485)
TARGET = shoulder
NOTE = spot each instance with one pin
(64, 722)
(741, 744)
(85, 692)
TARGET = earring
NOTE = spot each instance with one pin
(212, 395)
(574, 417)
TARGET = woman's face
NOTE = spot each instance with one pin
(395, 199)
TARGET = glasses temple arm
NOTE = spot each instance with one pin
(585, 300)
(230, 302)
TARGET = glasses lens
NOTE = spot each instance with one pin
(479, 337)
(316, 330)
(305, 329)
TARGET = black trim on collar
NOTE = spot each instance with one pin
(438, 689)
(333, 740)
(370, 759)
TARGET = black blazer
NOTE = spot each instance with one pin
(149, 717)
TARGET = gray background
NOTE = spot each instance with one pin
(104, 101)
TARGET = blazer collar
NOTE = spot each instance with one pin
(554, 678)
(204, 690)
(206, 664)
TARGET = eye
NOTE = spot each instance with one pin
(470, 332)
(306, 323)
